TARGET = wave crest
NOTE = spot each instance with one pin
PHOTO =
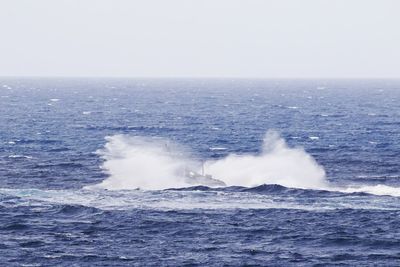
(277, 164)
(155, 163)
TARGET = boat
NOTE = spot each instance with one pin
(195, 178)
(192, 177)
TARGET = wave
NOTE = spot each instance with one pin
(80, 203)
(142, 162)
(135, 162)
(275, 189)
(155, 163)
(277, 164)
(379, 190)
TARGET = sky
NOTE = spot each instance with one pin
(201, 38)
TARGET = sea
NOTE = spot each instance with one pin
(93, 172)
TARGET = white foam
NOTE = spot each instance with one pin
(277, 164)
(157, 200)
(189, 200)
(379, 190)
(137, 162)
(154, 163)
(217, 148)
(19, 157)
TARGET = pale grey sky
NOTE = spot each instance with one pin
(201, 38)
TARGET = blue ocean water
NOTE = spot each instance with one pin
(87, 176)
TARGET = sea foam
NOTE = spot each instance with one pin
(134, 162)
(276, 164)
(154, 163)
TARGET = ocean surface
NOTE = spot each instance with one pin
(92, 172)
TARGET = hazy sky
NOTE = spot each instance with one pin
(197, 38)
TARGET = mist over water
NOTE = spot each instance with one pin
(149, 163)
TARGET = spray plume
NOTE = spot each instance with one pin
(150, 163)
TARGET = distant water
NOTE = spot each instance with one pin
(91, 172)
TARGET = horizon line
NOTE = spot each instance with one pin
(190, 77)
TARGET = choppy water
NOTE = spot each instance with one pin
(326, 191)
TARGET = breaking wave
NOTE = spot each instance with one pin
(155, 163)
(135, 162)
(277, 164)
(378, 190)
(142, 162)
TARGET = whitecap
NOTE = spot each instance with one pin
(130, 162)
(379, 190)
(19, 157)
(217, 148)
